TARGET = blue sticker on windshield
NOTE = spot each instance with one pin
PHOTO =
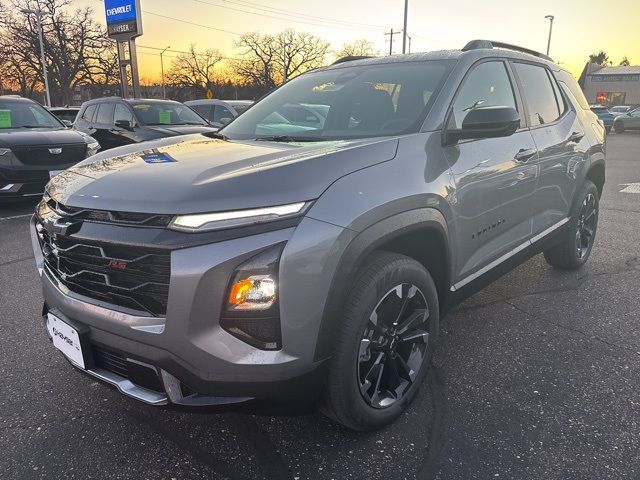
(157, 158)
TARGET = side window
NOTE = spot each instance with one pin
(105, 114)
(203, 110)
(538, 93)
(89, 112)
(562, 106)
(122, 113)
(222, 112)
(487, 85)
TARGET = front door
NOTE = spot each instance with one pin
(495, 178)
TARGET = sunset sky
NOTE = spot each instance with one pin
(581, 27)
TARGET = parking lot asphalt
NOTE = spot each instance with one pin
(536, 377)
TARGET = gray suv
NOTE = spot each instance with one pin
(282, 265)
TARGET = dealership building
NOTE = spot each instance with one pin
(612, 85)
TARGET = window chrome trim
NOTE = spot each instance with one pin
(508, 255)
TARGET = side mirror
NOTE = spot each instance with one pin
(126, 124)
(487, 122)
(67, 123)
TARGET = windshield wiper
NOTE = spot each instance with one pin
(34, 126)
(290, 138)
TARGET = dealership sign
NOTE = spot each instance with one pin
(123, 18)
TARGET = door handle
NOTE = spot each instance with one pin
(525, 154)
(576, 136)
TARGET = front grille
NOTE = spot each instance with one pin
(131, 277)
(41, 155)
(106, 216)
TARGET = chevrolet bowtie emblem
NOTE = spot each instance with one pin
(55, 151)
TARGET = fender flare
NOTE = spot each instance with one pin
(360, 247)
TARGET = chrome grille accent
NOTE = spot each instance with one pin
(106, 216)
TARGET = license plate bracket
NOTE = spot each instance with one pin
(70, 339)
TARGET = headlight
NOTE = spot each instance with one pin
(4, 151)
(92, 147)
(251, 309)
(215, 221)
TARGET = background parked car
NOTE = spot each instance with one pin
(66, 114)
(603, 114)
(216, 111)
(34, 146)
(619, 110)
(115, 121)
(627, 121)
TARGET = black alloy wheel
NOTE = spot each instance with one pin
(393, 346)
(586, 226)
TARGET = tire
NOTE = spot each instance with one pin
(575, 246)
(347, 398)
(618, 127)
(608, 130)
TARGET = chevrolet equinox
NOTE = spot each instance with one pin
(308, 261)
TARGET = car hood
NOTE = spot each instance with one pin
(194, 174)
(35, 137)
(180, 129)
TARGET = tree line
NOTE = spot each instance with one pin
(78, 52)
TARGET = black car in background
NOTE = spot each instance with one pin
(66, 114)
(115, 122)
(35, 145)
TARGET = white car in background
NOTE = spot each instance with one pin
(219, 112)
(619, 110)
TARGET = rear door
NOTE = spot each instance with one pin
(560, 139)
(494, 180)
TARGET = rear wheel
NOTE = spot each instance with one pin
(618, 127)
(385, 343)
(575, 246)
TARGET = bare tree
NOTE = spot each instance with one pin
(625, 62)
(195, 69)
(269, 60)
(299, 52)
(362, 47)
(74, 43)
(257, 65)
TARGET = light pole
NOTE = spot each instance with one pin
(164, 94)
(38, 13)
(550, 18)
(404, 28)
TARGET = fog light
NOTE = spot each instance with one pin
(256, 292)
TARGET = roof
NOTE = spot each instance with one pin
(630, 70)
(130, 100)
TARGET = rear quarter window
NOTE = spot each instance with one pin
(576, 92)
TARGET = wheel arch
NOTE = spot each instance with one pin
(596, 174)
(422, 234)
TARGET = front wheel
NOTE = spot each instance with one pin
(576, 242)
(384, 344)
(618, 127)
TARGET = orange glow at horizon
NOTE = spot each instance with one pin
(578, 28)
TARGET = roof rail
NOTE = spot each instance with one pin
(350, 58)
(477, 44)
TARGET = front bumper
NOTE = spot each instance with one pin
(195, 361)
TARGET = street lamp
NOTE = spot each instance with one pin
(39, 13)
(164, 94)
(550, 18)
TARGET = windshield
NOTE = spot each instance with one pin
(16, 115)
(347, 102)
(158, 113)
